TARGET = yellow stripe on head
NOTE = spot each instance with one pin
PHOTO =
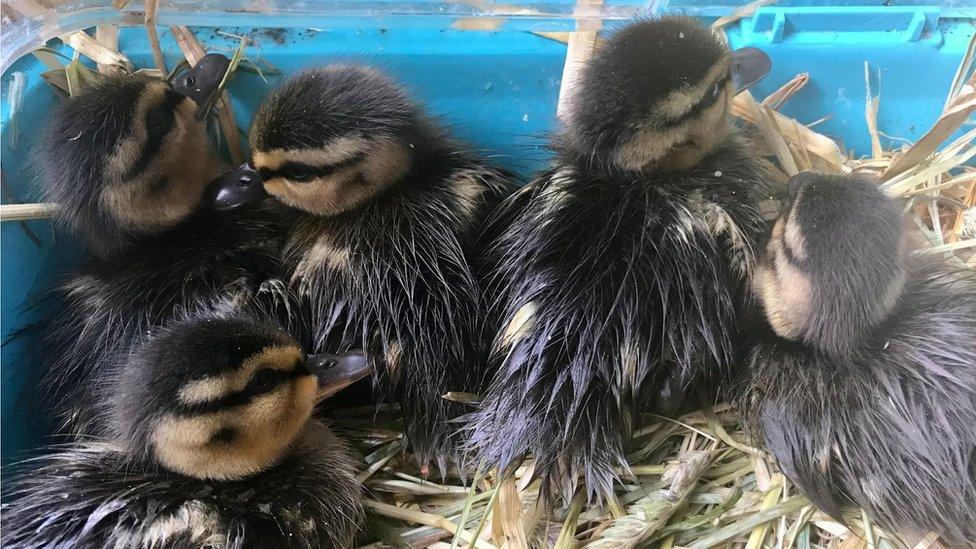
(278, 357)
(333, 152)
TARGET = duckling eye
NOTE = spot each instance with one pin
(717, 89)
(263, 381)
(298, 173)
(159, 120)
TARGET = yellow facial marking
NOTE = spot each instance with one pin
(680, 101)
(127, 151)
(185, 163)
(338, 150)
(681, 146)
(260, 432)
(346, 188)
(204, 390)
(279, 357)
(784, 289)
(704, 133)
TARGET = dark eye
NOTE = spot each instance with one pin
(298, 173)
(717, 89)
(159, 120)
(190, 81)
(263, 381)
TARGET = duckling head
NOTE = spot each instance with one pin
(657, 95)
(223, 398)
(327, 141)
(130, 157)
(834, 266)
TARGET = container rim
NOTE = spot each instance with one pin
(28, 25)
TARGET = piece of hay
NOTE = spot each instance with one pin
(650, 513)
(782, 94)
(86, 45)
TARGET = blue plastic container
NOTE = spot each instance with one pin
(496, 87)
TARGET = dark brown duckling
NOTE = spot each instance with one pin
(384, 253)
(623, 270)
(864, 385)
(209, 443)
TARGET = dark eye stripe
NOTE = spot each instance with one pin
(158, 186)
(159, 121)
(787, 252)
(314, 171)
(699, 108)
(224, 435)
(240, 398)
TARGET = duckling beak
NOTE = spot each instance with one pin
(336, 372)
(799, 180)
(202, 82)
(749, 65)
(237, 188)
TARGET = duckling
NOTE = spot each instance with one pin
(211, 444)
(622, 269)
(383, 253)
(129, 157)
(129, 163)
(864, 384)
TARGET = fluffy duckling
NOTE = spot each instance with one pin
(383, 253)
(129, 158)
(211, 445)
(129, 163)
(864, 389)
(623, 268)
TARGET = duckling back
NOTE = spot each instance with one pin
(878, 409)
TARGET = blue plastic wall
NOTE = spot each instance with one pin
(498, 90)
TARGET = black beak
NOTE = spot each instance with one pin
(788, 196)
(749, 65)
(202, 82)
(237, 188)
(336, 372)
